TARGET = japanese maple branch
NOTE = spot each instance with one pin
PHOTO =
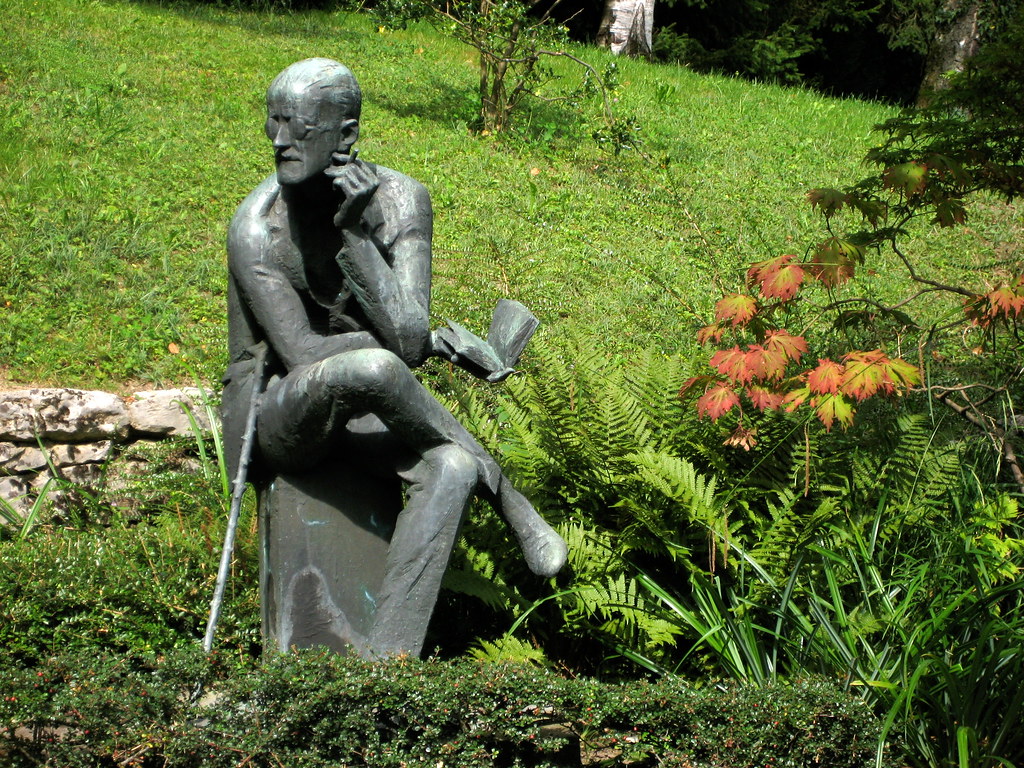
(924, 280)
(988, 425)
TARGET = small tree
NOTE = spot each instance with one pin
(968, 141)
(511, 41)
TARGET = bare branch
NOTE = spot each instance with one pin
(999, 436)
(924, 280)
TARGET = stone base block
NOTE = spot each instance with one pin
(323, 548)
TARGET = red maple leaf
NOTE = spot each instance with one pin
(736, 308)
(743, 366)
(1006, 301)
(755, 363)
(976, 309)
(826, 378)
(763, 398)
(833, 261)
(729, 362)
(778, 277)
(711, 332)
(717, 401)
(782, 341)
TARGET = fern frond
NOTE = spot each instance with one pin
(508, 649)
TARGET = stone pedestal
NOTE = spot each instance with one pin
(323, 548)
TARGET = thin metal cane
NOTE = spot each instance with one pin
(237, 491)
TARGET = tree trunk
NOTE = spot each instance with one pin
(951, 48)
(627, 27)
(493, 98)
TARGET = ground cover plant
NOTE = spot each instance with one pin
(885, 557)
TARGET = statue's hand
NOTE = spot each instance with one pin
(356, 181)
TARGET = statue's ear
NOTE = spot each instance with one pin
(349, 134)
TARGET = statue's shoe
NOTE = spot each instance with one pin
(545, 551)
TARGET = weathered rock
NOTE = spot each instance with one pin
(39, 482)
(18, 459)
(126, 471)
(66, 454)
(93, 442)
(82, 474)
(72, 415)
(14, 490)
(162, 412)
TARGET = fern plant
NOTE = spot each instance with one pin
(597, 444)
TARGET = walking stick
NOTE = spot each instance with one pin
(237, 491)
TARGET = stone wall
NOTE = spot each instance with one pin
(80, 436)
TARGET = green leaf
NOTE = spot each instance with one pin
(949, 212)
(829, 200)
(909, 178)
(832, 408)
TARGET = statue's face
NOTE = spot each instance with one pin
(305, 132)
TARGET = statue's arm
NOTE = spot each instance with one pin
(276, 308)
(393, 289)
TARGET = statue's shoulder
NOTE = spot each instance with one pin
(252, 220)
(400, 190)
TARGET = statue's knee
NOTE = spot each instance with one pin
(455, 466)
(366, 371)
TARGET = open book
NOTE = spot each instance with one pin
(494, 359)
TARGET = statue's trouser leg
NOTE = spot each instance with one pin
(421, 546)
(304, 413)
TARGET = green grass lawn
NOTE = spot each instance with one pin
(131, 131)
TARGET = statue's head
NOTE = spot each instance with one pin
(312, 112)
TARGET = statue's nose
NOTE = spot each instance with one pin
(282, 137)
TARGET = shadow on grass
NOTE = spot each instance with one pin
(433, 99)
(310, 20)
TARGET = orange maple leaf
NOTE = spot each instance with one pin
(868, 373)
(782, 341)
(717, 401)
(763, 398)
(779, 278)
(864, 375)
(729, 362)
(826, 378)
(736, 308)
(711, 332)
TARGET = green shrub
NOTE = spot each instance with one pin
(316, 710)
(112, 579)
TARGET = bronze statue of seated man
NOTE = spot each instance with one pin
(330, 284)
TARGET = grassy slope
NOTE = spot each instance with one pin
(132, 131)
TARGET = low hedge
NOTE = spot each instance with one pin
(313, 710)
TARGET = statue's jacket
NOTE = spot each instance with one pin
(398, 219)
